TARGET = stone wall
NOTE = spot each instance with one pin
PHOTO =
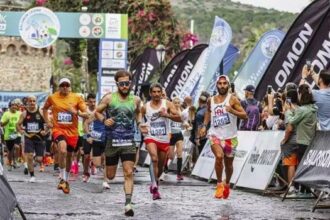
(23, 68)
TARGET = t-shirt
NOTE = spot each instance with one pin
(322, 101)
(64, 121)
(10, 132)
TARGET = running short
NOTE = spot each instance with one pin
(98, 148)
(290, 160)
(175, 138)
(70, 141)
(160, 146)
(112, 154)
(228, 145)
(11, 143)
(34, 146)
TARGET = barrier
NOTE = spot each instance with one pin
(204, 166)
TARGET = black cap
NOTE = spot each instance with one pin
(250, 88)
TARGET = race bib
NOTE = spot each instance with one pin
(64, 118)
(158, 128)
(176, 125)
(13, 136)
(121, 143)
(221, 120)
(32, 127)
(96, 135)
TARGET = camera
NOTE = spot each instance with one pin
(309, 64)
(269, 89)
(288, 100)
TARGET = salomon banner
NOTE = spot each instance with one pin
(314, 169)
(256, 64)
(144, 68)
(307, 39)
(262, 161)
(225, 66)
(171, 68)
(181, 75)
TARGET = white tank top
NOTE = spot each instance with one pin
(223, 123)
(159, 127)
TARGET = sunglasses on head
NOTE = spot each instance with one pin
(65, 85)
(124, 83)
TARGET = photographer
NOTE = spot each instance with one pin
(275, 110)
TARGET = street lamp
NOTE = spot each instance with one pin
(160, 52)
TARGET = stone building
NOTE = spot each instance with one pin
(23, 68)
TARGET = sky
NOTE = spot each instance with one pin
(293, 6)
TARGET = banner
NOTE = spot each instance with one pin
(6, 97)
(225, 66)
(73, 25)
(181, 75)
(314, 169)
(307, 38)
(143, 68)
(262, 161)
(256, 64)
(246, 143)
(204, 166)
(171, 67)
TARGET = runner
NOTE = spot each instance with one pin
(66, 107)
(31, 125)
(121, 109)
(158, 113)
(176, 140)
(11, 137)
(223, 110)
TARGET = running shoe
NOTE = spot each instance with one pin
(129, 210)
(105, 185)
(10, 168)
(26, 171)
(179, 177)
(226, 191)
(86, 178)
(219, 191)
(32, 179)
(61, 184)
(155, 194)
(66, 188)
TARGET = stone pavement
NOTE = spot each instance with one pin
(189, 199)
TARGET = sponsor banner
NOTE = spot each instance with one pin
(143, 69)
(6, 97)
(184, 69)
(112, 57)
(307, 38)
(73, 25)
(220, 39)
(246, 142)
(204, 166)
(262, 161)
(187, 151)
(225, 66)
(170, 69)
(314, 169)
(256, 64)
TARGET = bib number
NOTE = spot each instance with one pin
(64, 118)
(32, 127)
(221, 120)
(158, 128)
(13, 136)
(96, 135)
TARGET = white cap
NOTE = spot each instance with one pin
(225, 77)
(64, 80)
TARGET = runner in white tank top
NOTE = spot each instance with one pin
(158, 113)
(223, 111)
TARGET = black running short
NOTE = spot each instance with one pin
(175, 138)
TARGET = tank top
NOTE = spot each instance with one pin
(33, 123)
(223, 123)
(159, 127)
(123, 113)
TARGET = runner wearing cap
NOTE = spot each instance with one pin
(223, 110)
(66, 107)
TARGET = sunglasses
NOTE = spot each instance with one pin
(65, 85)
(124, 83)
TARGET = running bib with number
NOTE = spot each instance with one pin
(64, 118)
(32, 127)
(221, 120)
(13, 136)
(158, 128)
(96, 135)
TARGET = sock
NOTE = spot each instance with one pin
(66, 176)
(25, 165)
(152, 175)
(62, 171)
(179, 165)
(31, 174)
(128, 198)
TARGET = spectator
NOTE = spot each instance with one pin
(321, 97)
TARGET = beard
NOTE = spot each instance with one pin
(223, 91)
(124, 93)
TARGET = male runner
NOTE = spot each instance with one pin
(158, 113)
(223, 110)
(65, 107)
(121, 109)
(33, 130)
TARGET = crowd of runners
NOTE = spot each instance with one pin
(69, 130)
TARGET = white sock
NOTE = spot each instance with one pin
(62, 171)
(25, 165)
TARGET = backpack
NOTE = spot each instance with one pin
(253, 113)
